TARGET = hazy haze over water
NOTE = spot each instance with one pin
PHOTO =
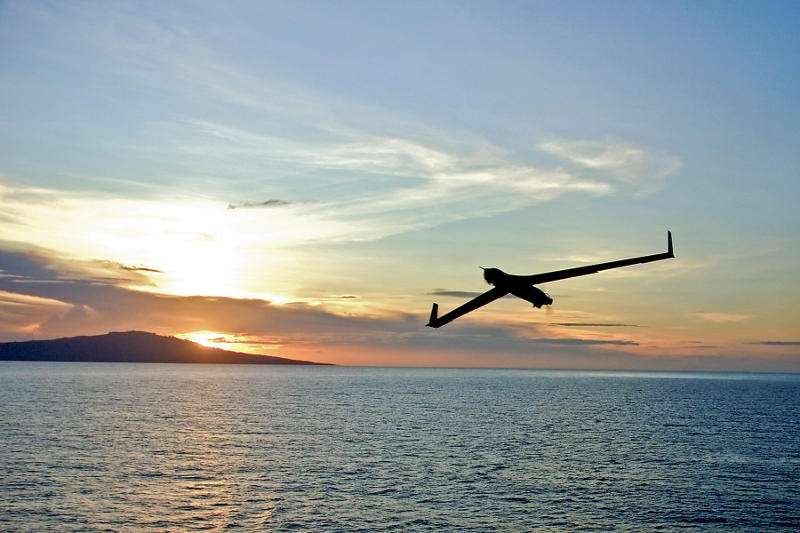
(182, 447)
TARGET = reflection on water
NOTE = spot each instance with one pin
(184, 447)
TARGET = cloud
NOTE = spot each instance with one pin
(393, 183)
(20, 313)
(643, 168)
(268, 203)
(454, 294)
(245, 340)
(584, 342)
(594, 324)
(723, 317)
(140, 268)
(776, 343)
(152, 229)
(379, 185)
(333, 297)
(392, 155)
(68, 306)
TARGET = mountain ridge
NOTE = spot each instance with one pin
(132, 347)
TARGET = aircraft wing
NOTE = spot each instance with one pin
(481, 300)
(591, 269)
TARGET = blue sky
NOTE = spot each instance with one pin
(341, 162)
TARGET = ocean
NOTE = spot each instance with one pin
(149, 447)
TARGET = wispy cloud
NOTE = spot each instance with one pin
(395, 185)
(273, 202)
(21, 314)
(453, 294)
(776, 343)
(643, 168)
(595, 324)
(140, 268)
(380, 155)
(723, 317)
(586, 342)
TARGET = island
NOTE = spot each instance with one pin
(132, 347)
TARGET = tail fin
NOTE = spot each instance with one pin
(434, 315)
(669, 244)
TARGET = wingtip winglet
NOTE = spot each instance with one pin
(669, 244)
(434, 315)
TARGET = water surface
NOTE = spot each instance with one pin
(141, 447)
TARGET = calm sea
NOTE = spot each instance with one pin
(139, 447)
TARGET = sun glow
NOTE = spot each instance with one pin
(212, 339)
(182, 247)
(260, 345)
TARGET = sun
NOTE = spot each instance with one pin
(212, 339)
(259, 345)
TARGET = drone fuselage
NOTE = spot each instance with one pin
(519, 286)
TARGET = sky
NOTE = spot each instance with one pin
(305, 179)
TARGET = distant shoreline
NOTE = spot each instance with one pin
(132, 347)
